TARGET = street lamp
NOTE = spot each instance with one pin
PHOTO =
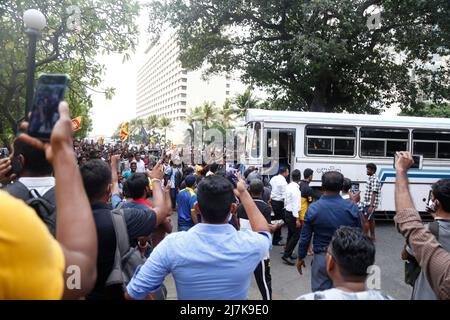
(34, 22)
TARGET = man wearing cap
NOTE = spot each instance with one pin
(186, 199)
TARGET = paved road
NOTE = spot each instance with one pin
(287, 284)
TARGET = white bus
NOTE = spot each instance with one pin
(346, 143)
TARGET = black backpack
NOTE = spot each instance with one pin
(412, 267)
(44, 205)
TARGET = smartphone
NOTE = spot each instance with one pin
(4, 153)
(418, 161)
(355, 187)
(49, 93)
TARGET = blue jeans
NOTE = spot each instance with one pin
(173, 197)
(319, 276)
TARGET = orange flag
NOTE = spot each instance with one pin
(76, 124)
(124, 131)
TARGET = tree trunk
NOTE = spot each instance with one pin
(320, 102)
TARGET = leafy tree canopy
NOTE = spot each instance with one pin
(70, 43)
(319, 55)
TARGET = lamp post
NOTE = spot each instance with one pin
(34, 22)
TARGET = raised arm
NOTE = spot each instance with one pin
(115, 159)
(159, 204)
(257, 220)
(432, 258)
(74, 212)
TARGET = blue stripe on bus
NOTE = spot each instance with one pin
(416, 174)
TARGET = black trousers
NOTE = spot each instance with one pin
(278, 210)
(293, 234)
(264, 279)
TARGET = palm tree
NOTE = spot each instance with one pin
(246, 101)
(164, 124)
(208, 115)
(227, 114)
(152, 122)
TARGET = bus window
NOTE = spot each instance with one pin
(372, 148)
(444, 150)
(344, 147)
(320, 146)
(393, 146)
(272, 142)
(324, 140)
(427, 149)
(383, 142)
(432, 144)
(256, 143)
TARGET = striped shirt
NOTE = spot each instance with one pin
(372, 185)
(432, 258)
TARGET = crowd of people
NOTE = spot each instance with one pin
(100, 223)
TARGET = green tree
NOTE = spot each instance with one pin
(227, 114)
(209, 115)
(105, 26)
(245, 101)
(152, 123)
(164, 124)
(320, 55)
(432, 110)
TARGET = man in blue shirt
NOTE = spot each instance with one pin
(322, 219)
(186, 200)
(212, 260)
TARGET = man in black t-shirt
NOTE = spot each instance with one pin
(97, 179)
(262, 271)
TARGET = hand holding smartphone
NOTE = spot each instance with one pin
(44, 113)
(418, 161)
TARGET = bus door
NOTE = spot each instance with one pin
(279, 149)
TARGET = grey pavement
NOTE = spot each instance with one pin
(288, 284)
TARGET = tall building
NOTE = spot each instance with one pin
(164, 88)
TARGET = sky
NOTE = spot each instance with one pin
(108, 114)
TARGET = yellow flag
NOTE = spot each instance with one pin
(124, 131)
(76, 124)
(100, 141)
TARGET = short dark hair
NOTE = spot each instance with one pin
(282, 170)
(256, 187)
(332, 181)
(347, 185)
(296, 175)
(372, 166)
(188, 171)
(248, 171)
(307, 173)
(353, 251)
(96, 175)
(441, 190)
(215, 196)
(34, 159)
(213, 167)
(190, 181)
(136, 185)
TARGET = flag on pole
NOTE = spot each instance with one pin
(76, 124)
(124, 131)
(145, 135)
(100, 140)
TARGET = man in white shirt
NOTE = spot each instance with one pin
(277, 196)
(292, 208)
(140, 163)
